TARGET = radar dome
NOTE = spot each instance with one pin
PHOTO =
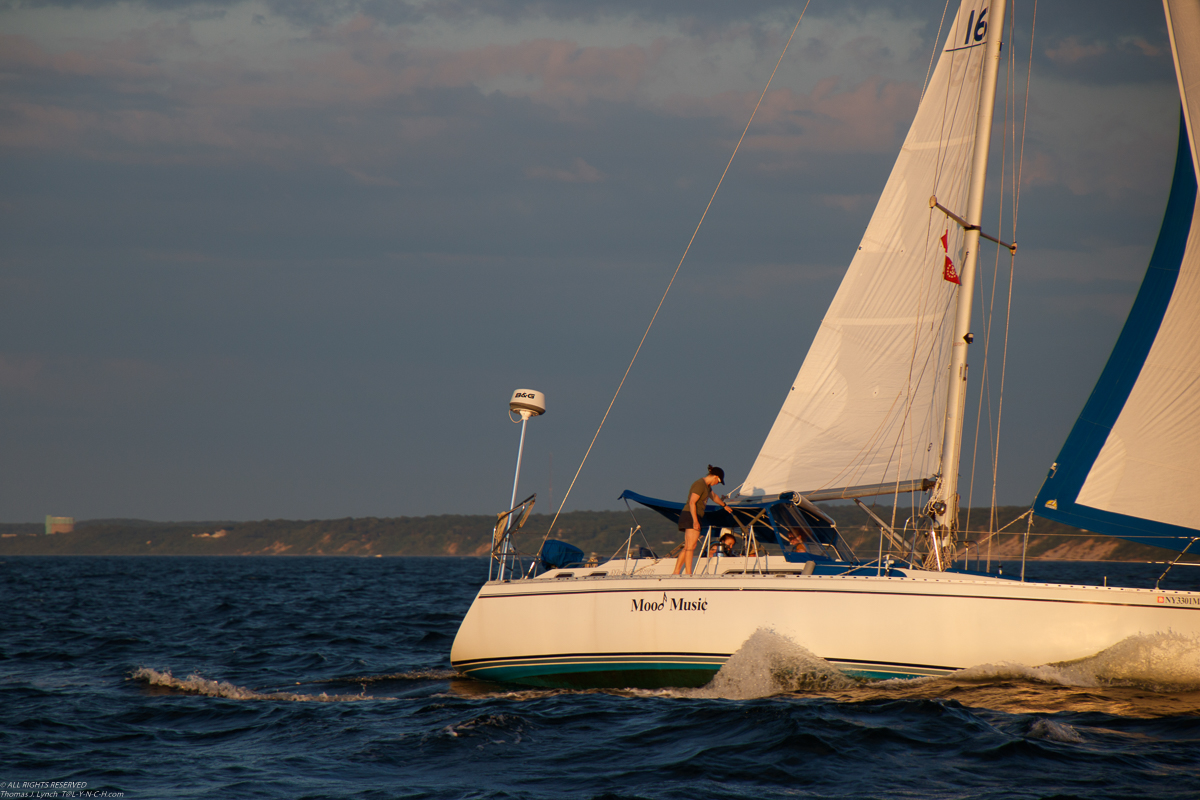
(528, 403)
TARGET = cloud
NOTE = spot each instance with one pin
(849, 202)
(143, 99)
(1107, 57)
(84, 381)
(240, 241)
(1146, 48)
(311, 13)
(757, 281)
(867, 118)
(1072, 51)
(20, 373)
(373, 180)
(1103, 266)
(580, 172)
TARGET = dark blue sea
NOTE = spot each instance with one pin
(289, 678)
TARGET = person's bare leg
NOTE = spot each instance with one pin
(690, 538)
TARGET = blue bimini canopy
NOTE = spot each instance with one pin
(801, 530)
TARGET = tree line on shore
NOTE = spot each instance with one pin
(599, 533)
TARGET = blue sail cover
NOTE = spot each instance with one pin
(1101, 481)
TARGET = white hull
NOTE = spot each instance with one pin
(652, 629)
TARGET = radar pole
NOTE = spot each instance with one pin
(527, 403)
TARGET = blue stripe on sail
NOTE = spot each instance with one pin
(1119, 376)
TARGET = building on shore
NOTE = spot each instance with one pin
(59, 524)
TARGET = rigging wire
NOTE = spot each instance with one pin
(1017, 167)
(1016, 200)
(995, 438)
(933, 53)
(1016, 192)
(987, 312)
(654, 316)
(927, 297)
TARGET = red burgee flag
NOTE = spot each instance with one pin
(948, 272)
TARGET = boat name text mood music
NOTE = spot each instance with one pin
(670, 604)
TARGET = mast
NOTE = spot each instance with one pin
(943, 504)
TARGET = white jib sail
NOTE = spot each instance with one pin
(1148, 466)
(868, 404)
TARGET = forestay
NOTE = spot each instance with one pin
(1129, 467)
(868, 404)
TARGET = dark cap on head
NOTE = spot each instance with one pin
(720, 473)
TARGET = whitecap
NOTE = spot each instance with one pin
(1053, 731)
(769, 663)
(495, 728)
(1152, 661)
(197, 685)
(431, 674)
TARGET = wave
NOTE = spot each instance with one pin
(197, 685)
(398, 677)
(1160, 662)
(491, 726)
(769, 663)
(1052, 731)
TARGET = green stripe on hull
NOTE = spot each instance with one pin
(877, 675)
(645, 673)
(883, 672)
(594, 676)
(580, 673)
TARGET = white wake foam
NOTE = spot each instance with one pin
(769, 663)
(1158, 661)
(1053, 731)
(414, 675)
(194, 684)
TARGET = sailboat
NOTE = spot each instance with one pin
(876, 410)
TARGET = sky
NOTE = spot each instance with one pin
(267, 259)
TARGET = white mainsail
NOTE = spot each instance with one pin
(868, 405)
(1129, 467)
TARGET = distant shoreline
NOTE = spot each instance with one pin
(602, 533)
(1005, 560)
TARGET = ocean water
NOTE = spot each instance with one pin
(292, 678)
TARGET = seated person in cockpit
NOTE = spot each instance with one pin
(796, 537)
(726, 546)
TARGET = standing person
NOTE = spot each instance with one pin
(693, 513)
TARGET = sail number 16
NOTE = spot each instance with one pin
(978, 29)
